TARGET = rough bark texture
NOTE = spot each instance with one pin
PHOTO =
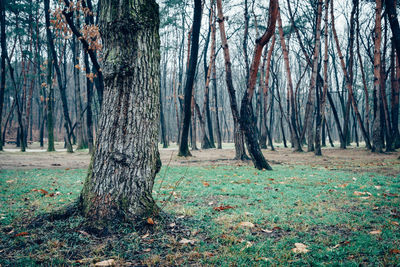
(394, 24)
(121, 175)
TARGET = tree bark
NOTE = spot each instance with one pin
(121, 175)
(377, 137)
(183, 144)
(3, 63)
(292, 121)
(348, 81)
(238, 134)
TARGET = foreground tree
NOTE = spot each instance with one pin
(126, 159)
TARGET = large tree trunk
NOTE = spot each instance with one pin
(183, 144)
(121, 175)
(377, 137)
(238, 134)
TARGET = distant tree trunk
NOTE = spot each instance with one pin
(78, 100)
(308, 119)
(214, 79)
(321, 105)
(395, 100)
(377, 137)
(3, 64)
(365, 87)
(183, 144)
(394, 24)
(89, 114)
(121, 175)
(292, 121)
(238, 134)
(162, 117)
(62, 89)
(348, 81)
(20, 134)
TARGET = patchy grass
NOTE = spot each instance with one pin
(232, 215)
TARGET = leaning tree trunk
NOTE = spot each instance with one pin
(247, 122)
(238, 134)
(121, 175)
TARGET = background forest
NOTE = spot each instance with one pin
(60, 88)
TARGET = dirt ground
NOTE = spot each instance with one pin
(351, 159)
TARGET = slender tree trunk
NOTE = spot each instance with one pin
(214, 79)
(62, 89)
(292, 121)
(121, 175)
(321, 105)
(89, 114)
(308, 119)
(394, 24)
(238, 134)
(349, 85)
(3, 64)
(183, 144)
(377, 137)
(395, 101)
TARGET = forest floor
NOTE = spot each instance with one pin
(339, 209)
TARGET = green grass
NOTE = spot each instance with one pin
(288, 205)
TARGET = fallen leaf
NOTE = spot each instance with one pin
(44, 192)
(358, 193)
(147, 250)
(300, 248)
(394, 223)
(263, 259)
(150, 221)
(185, 241)
(266, 231)
(145, 236)
(83, 233)
(110, 262)
(10, 181)
(221, 208)
(248, 244)
(376, 232)
(22, 234)
(378, 187)
(172, 225)
(394, 251)
(206, 184)
(343, 185)
(246, 224)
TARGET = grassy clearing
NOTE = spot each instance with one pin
(343, 218)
